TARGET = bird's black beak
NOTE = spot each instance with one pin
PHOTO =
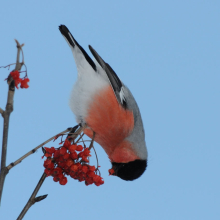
(115, 167)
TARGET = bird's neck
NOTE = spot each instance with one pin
(123, 153)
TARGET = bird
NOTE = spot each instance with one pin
(104, 103)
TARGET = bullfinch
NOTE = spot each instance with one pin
(102, 101)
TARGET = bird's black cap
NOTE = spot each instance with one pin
(129, 171)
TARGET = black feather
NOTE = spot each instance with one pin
(65, 32)
(112, 76)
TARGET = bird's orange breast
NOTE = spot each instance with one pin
(111, 124)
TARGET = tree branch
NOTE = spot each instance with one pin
(33, 150)
(6, 115)
(2, 112)
(74, 133)
(33, 197)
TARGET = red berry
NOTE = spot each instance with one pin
(50, 166)
(66, 143)
(74, 155)
(69, 162)
(81, 154)
(86, 152)
(62, 151)
(96, 178)
(111, 171)
(73, 175)
(15, 74)
(74, 168)
(72, 148)
(62, 164)
(79, 165)
(48, 172)
(84, 169)
(52, 150)
(88, 181)
(56, 153)
(66, 156)
(81, 179)
(63, 181)
(47, 162)
(91, 173)
(92, 168)
(85, 159)
(79, 148)
(24, 83)
(57, 171)
(55, 179)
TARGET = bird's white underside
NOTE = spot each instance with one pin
(87, 85)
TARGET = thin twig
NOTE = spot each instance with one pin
(7, 66)
(6, 115)
(93, 138)
(79, 138)
(33, 150)
(84, 141)
(33, 197)
(75, 135)
(2, 112)
(96, 157)
(91, 146)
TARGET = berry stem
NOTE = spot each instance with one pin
(93, 138)
(79, 138)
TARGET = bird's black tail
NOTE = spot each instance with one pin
(72, 43)
(67, 35)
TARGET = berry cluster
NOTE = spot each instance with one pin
(66, 161)
(16, 76)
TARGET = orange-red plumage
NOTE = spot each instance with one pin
(112, 124)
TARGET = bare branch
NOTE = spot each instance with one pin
(33, 150)
(2, 112)
(18, 64)
(33, 197)
(6, 115)
(9, 65)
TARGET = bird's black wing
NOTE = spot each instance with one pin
(113, 78)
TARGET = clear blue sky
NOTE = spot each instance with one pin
(167, 53)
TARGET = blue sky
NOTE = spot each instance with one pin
(167, 53)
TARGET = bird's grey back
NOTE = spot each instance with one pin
(137, 137)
